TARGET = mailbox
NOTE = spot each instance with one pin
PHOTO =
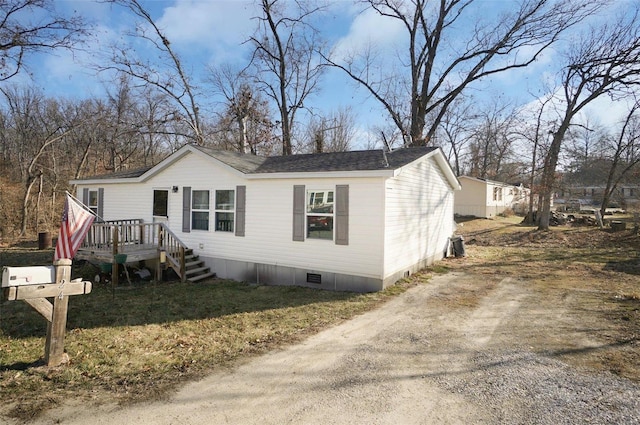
(36, 275)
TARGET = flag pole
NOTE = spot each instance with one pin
(86, 208)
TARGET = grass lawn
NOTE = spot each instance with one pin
(138, 342)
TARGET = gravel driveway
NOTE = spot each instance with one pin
(416, 360)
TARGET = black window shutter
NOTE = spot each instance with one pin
(186, 209)
(85, 196)
(298, 213)
(241, 201)
(342, 214)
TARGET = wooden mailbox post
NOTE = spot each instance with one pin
(56, 314)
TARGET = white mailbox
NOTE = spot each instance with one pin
(36, 275)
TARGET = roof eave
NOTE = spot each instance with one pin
(106, 181)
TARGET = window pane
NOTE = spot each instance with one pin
(320, 227)
(224, 199)
(200, 220)
(200, 200)
(320, 202)
(93, 198)
(160, 199)
(224, 222)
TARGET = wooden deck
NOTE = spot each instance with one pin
(137, 240)
(109, 241)
(134, 253)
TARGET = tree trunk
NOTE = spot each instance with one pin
(549, 174)
(25, 204)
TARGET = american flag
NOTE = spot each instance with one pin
(76, 222)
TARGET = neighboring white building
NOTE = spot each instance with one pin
(486, 198)
(345, 221)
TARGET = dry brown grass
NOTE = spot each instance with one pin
(139, 343)
(143, 342)
(588, 278)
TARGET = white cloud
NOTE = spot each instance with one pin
(207, 23)
(71, 73)
(369, 29)
(608, 112)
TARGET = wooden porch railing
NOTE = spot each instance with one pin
(119, 235)
(128, 236)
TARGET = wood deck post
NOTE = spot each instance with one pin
(114, 264)
(54, 346)
(162, 254)
(141, 241)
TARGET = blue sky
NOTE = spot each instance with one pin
(203, 33)
(212, 32)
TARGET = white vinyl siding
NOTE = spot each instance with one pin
(125, 201)
(486, 199)
(419, 216)
(268, 218)
(418, 202)
(472, 199)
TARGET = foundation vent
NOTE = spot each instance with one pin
(314, 278)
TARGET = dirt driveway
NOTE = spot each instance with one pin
(419, 359)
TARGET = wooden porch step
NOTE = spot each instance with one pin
(193, 263)
(201, 276)
(196, 271)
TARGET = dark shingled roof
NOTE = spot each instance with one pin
(245, 163)
(368, 160)
(320, 162)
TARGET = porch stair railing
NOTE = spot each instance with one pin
(180, 258)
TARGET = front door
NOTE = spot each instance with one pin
(160, 209)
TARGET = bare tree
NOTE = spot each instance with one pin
(154, 118)
(585, 146)
(331, 133)
(625, 154)
(285, 59)
(169, 77)
(121, 138)
(245, 121)
(491, 142)
(603, 61)
(21, 33)
(455, 131)
(534, 132)
(446, 53)
(36, 125)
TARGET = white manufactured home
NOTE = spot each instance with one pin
(487, 198)
(355, 221)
